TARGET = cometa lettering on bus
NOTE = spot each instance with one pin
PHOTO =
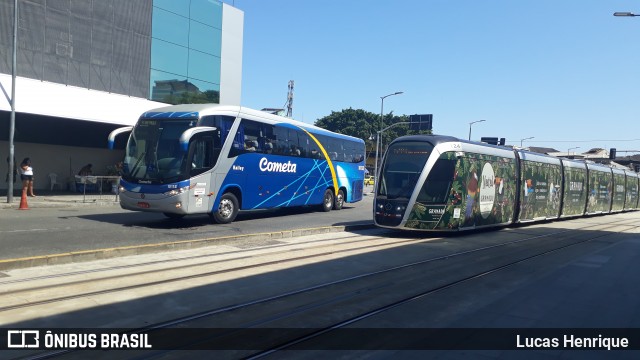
(266, 165)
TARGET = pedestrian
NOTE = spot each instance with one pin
(26, 175)
(86, 170)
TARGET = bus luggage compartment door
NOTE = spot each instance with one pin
(200, 200)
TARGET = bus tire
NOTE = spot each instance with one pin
(327, 200)
(227, 210)
(173, 216)
(338, 203)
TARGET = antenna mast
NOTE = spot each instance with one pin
(289, 104)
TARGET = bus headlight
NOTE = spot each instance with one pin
(121, 189)
(174, 192)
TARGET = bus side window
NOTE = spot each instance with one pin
(281, 143)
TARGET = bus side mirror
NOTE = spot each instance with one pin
(116, 132)
(188, 134)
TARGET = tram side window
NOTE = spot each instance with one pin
(436, 188)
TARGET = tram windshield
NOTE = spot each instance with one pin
(402, 168)
(153, 152)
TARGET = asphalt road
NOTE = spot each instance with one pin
(46, 231)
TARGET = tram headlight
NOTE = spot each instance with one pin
(174, 192)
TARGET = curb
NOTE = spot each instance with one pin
(49, 204)
(101, 254)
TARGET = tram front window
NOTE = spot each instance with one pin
(436, 188)
(402, 168)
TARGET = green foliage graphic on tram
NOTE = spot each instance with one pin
(541, 184)
(618, 198)
(575, 190)
(480, 191)
(599, 191)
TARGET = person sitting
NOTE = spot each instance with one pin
(86, 170)
(250, 145)
(268, 146)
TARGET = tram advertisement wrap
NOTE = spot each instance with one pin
(540, 190)
(482, 192)
(575, 194)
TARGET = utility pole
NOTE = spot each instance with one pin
(289, 104)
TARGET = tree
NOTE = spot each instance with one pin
(365, 125)
(353, 122)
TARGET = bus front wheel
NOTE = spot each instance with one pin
(327, 200)
(227, 210)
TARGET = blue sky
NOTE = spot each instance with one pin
(566, 72)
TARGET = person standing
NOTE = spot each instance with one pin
(26, 175)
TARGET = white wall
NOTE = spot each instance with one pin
(231, 54)
(65, 161)
(47, 98)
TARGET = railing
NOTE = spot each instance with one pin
(93, 187)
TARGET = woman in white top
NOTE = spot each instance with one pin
(26, 175)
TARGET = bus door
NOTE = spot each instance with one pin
(201, 159)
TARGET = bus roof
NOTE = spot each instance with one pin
(190, 111)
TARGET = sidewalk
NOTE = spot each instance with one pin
(60, 199)
(47, 199)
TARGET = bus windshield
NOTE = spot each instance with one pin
(153, 152)
(402, 168)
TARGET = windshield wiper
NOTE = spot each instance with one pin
(135, 169)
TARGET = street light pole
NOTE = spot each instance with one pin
(471, 123)
(573, 148)
(624, 14)
(378, 142)
(529, 138)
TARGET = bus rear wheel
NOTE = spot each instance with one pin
(227, 210)
(339, 201)
(327, 200)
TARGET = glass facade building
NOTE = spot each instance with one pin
(186, 46)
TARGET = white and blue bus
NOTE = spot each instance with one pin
(217, 160)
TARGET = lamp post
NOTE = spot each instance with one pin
(624, 14)
(471, 123)
(573, 148)
(12, 119)
(529, 138)
(378, 132)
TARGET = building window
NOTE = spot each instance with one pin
(185, 51)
